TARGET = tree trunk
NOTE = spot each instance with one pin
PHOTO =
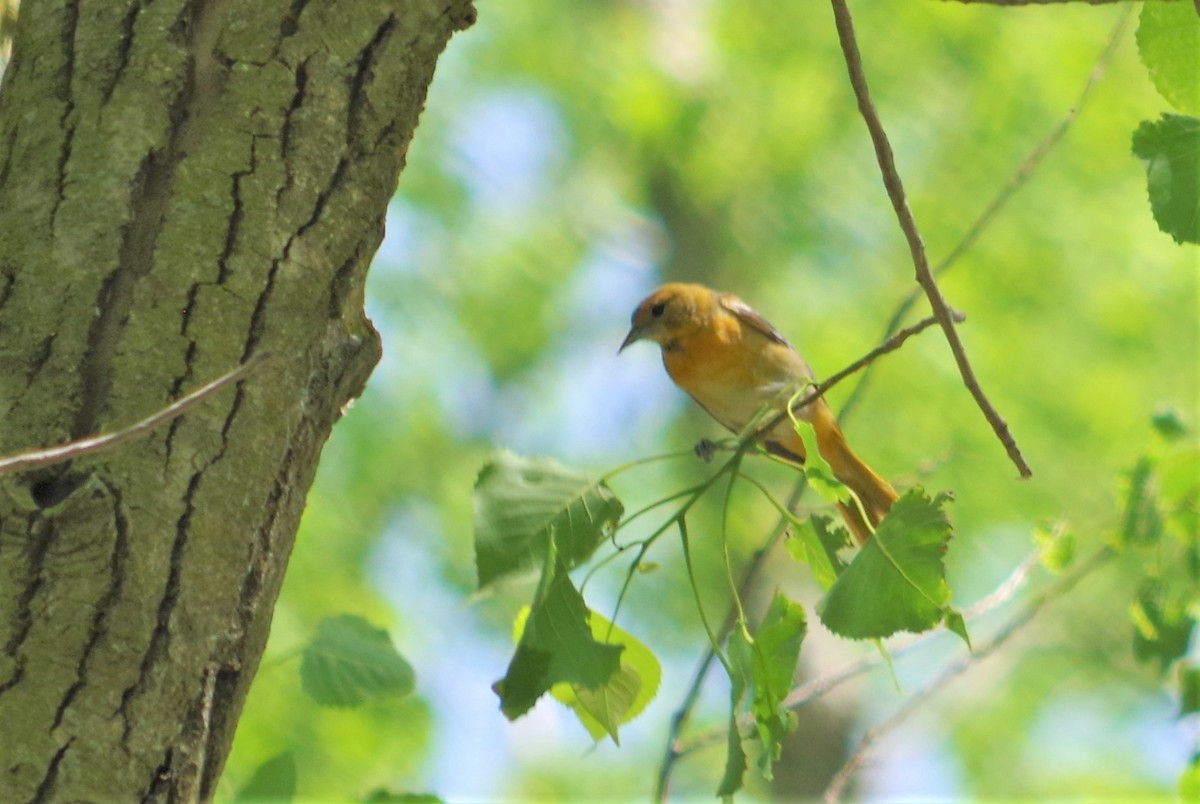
(183, 184)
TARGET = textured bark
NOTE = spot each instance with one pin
(183, 184)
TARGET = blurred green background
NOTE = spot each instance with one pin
(573, 155)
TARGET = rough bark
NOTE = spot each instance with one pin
(183, 184)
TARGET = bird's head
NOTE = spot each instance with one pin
(668, 312)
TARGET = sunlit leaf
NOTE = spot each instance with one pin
(816, 468)
(741, 660)
(817, 543)
(556, 646)
(522, 503)
(1169, 149)
(350, 662)
(1168, 39)
(604, 709)
(897, 582)
(1056, 547)
(776, 650)
(273, 781)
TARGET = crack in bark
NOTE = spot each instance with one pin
(120, 553)
(45, 790)
(366, 61)
(32, 584)
(285, 138)
(67, 78)
(149, 199)
(236, 216)
(290, 24)
(124, 48)
(161, 637)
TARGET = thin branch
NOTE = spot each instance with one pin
(862, 751)
(679, 719)
(38, 458)
(819, 687)
(890, 345)
(1015, 182)
(895, 191)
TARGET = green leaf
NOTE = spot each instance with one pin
(1168, 40)
(816, 468)
(350, 662)
(1056, 547)
(1168, 423)
(897, 581)
(776, 651)
(556, 646)
(1143, 522)
(522, 503)
(817, 543)
(741, 670)
(604, 709)
(274, 780)
(1189, 689)
(1169, 149)
(381, 795)
(1162, 625)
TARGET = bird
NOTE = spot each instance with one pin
(735, 365)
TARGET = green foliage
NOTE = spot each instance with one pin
(1168, 40)
(897, 582)
(741, 673)
(351, 662)
(523, 505)
(603, 710)
(775, 651)
(1169, 148)
(718, 142)
(818, 542)
(556, 645)
(273, 781)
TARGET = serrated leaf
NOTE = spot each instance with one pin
(350, 662)
(274, 781)
(1169, 149)
(522, 503)
(556, 646)
(776, 650)
(817, 543)
(604, 709)
(1168, 39)
(897, 582)
(741, 662)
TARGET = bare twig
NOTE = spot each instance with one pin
(895, 191)
(1015, 182)
(862, 751)
(38, 458)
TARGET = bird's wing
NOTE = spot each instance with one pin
(747, 315)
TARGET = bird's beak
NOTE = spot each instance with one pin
(635, 334)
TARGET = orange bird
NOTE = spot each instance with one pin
(735, 364)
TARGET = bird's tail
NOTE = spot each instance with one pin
(874, 493)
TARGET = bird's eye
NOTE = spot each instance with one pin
(657, 310)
